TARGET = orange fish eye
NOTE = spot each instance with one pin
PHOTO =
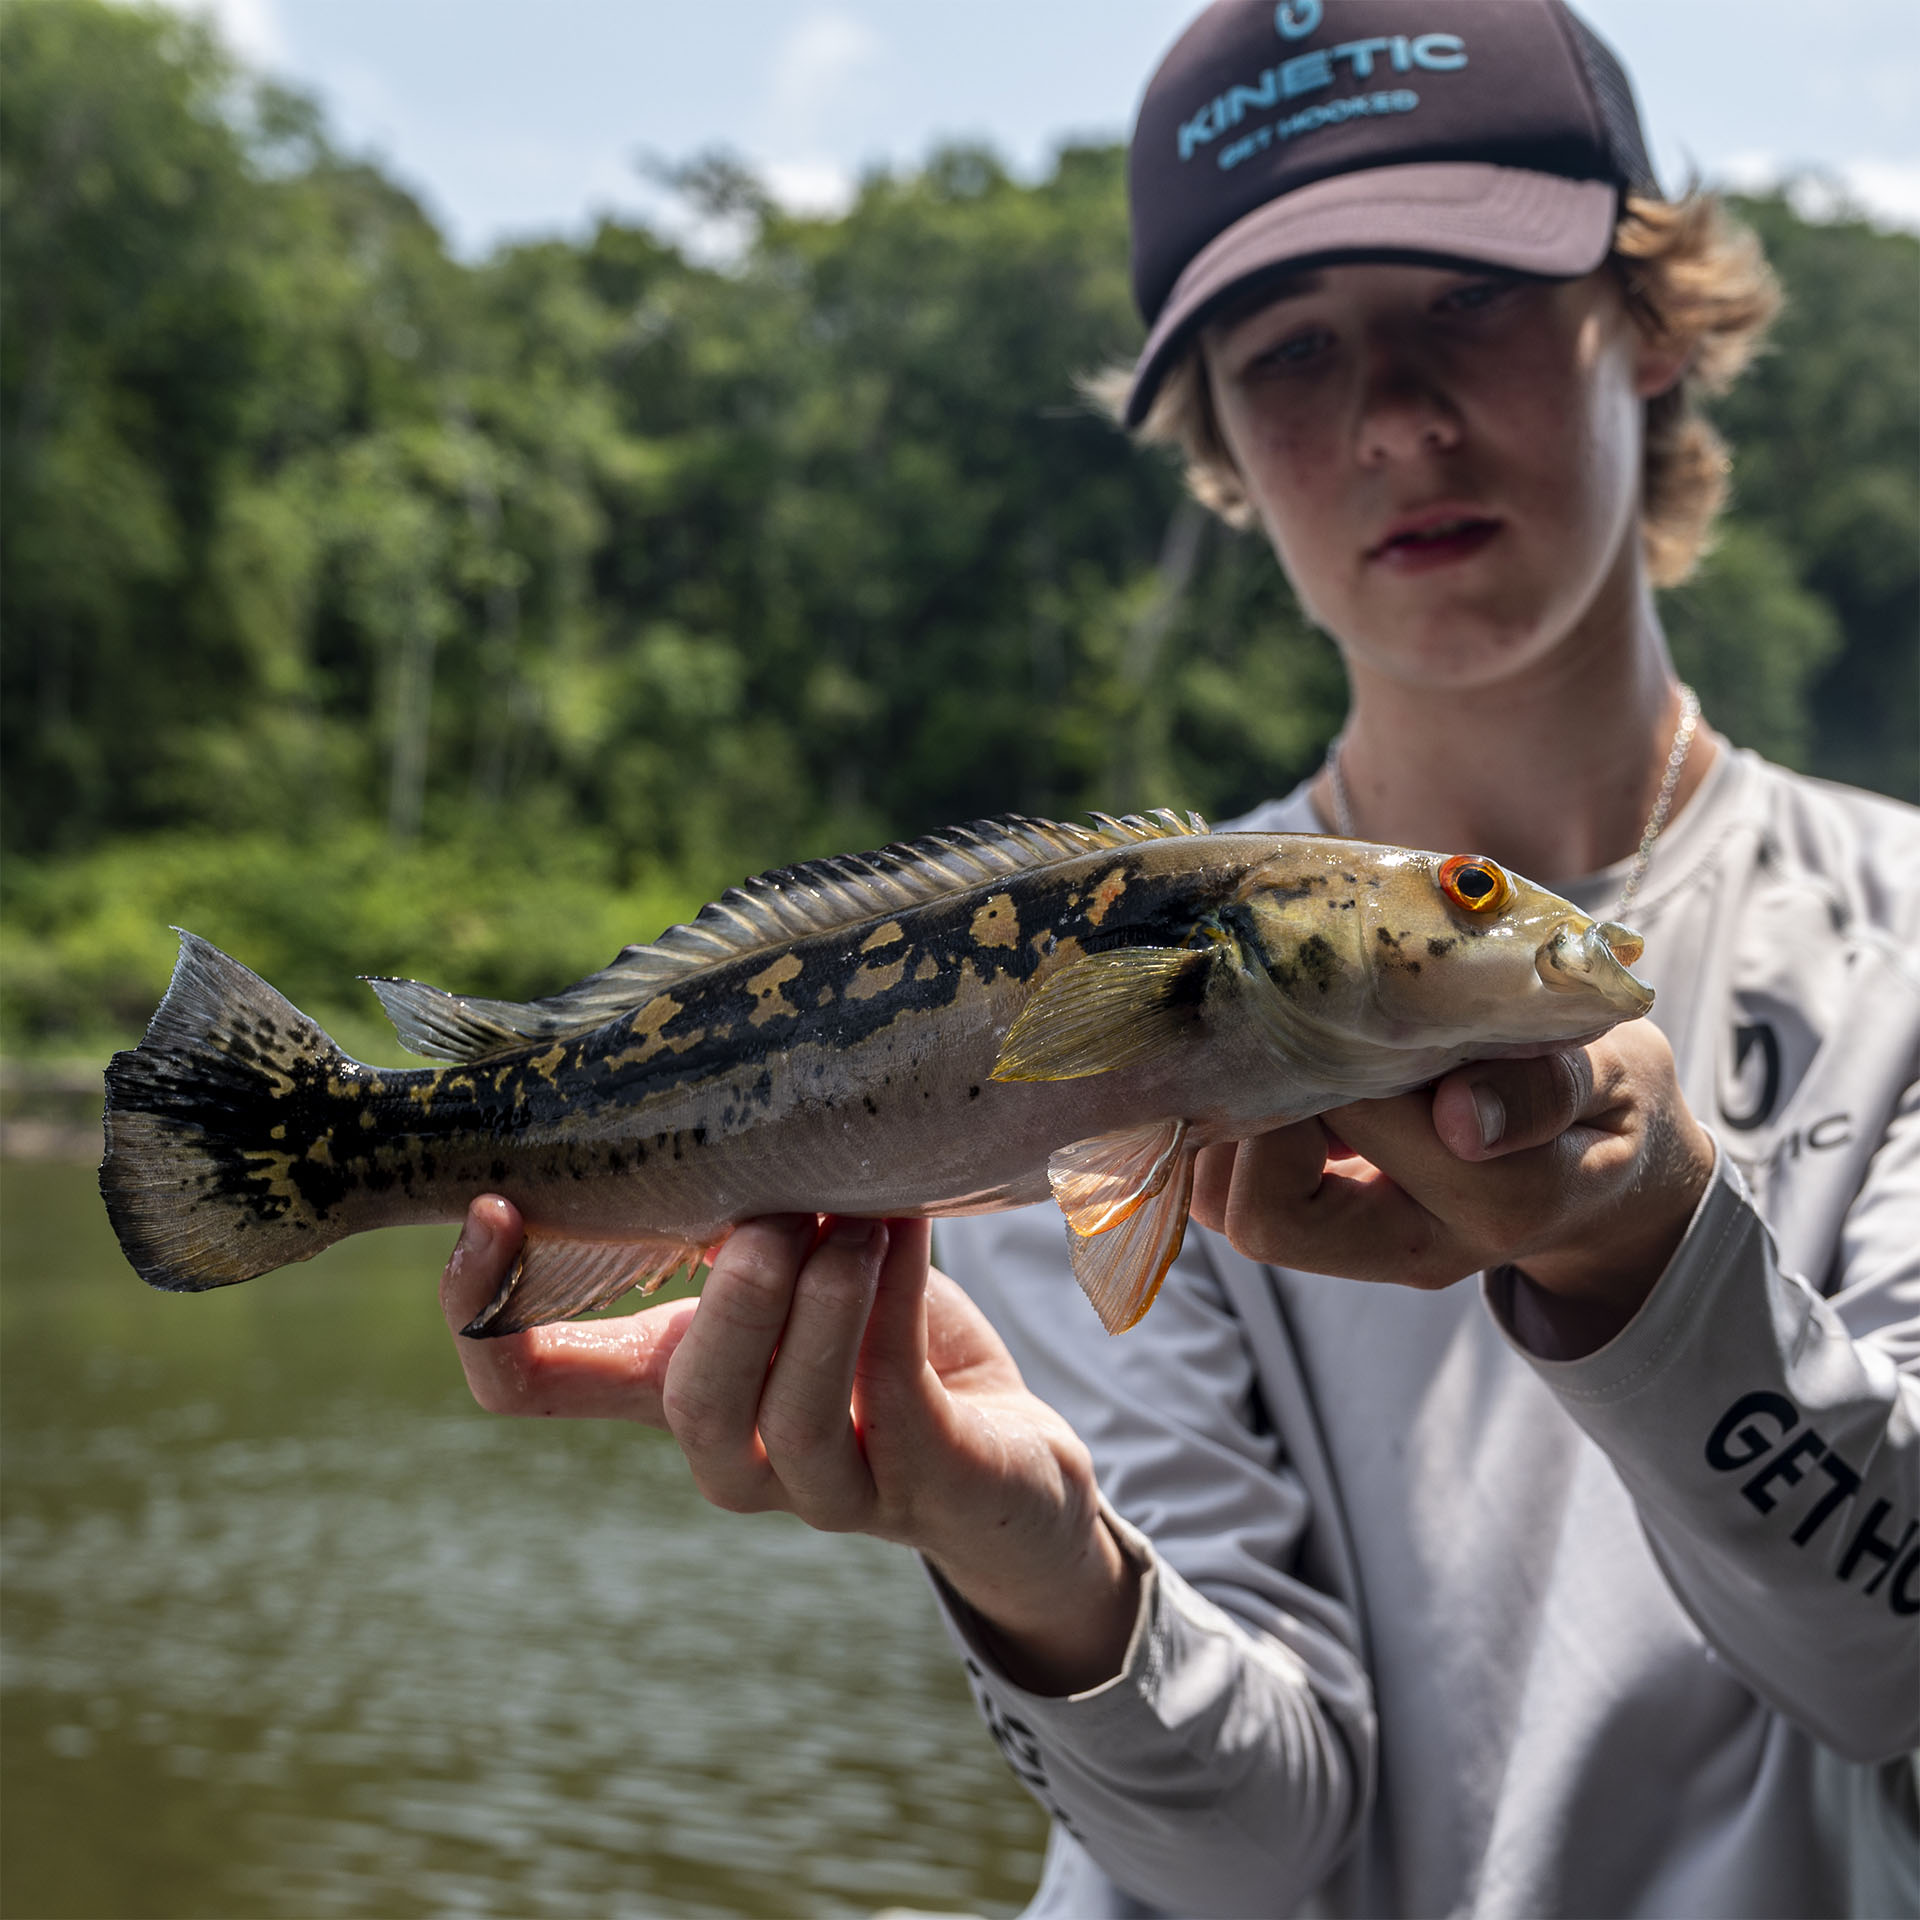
(1472, 881)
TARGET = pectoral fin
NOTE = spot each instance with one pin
(1105, 1011)
(1120, 1268)
(554, 1279)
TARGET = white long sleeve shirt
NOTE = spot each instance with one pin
(1431, 1625)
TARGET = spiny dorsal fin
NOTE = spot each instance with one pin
(770, 910)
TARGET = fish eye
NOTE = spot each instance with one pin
(1472, 881)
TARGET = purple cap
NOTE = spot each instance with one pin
(1491, 132)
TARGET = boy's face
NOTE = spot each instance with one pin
(1447, 462)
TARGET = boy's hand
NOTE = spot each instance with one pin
(833, 1375)
(1582, 1169)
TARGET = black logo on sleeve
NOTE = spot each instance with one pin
(1019, 1746)
(1879, 1542)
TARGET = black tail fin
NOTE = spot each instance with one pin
(209, 1122)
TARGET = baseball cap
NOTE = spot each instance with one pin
(1274, 137)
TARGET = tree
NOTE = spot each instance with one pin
(354, 596)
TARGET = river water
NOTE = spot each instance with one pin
(291, 1628)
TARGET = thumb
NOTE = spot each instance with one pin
(1494, 1107)
(482, 1258)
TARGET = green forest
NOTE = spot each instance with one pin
(366, 610)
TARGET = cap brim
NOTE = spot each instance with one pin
(1446, 211)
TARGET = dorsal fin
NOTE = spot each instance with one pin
(770, 910)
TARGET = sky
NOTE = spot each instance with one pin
(513, 118)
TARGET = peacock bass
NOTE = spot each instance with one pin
(963, 1023)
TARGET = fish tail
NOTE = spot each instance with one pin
(206, 1121)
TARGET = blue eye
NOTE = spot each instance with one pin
(1475, 297)
(1295, 351)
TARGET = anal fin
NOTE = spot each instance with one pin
(555, 1279)
(1120, 1268)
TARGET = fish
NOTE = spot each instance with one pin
(970, 1021)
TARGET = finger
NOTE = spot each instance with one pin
(714, 1381)
(1495, 1107)
(489, 1239)
(1284, 1164)
(1276, 1176)
(606, 1370)
(1212, 1183)
(895, 1349)
(1352, 1220)
(806, 1418)
(1480, 1213)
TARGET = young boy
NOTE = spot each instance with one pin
(1591, 1587)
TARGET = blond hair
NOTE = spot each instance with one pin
(1692, 276)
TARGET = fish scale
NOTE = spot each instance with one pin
(957, 1024)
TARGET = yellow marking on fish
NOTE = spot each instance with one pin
(1112, 885)
(276, 1169)
(997, 924)
(874, 979)
(321, 1151)
(766, 987)
(645, 1033)
(547, 1065)
(882, 936)
(423, 1092)
(825, 998)
(366, 1118)
(928, 969)
(1061, 953)
(276, 1133)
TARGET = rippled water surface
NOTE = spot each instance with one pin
(291, 1628)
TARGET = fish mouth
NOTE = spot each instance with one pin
(1596, 958)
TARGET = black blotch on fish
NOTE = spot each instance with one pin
(1318, 961)
(1436, 947)
(1153, 909)
(1297, 889)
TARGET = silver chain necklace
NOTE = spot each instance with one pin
(1656, 820)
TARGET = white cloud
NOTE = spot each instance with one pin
(1886, 191)
(811, 186)
(251, 28)
(1745, 172)
(813, 68)
(812, 95)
